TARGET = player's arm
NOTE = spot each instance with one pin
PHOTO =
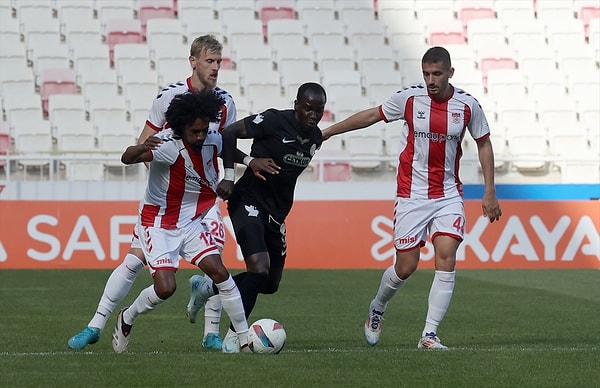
(490, 205)
(147, 132)
(358, 120)
(141, 152)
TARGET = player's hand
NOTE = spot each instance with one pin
(152, 142)
(491, 207)
(263, 165)
(224, 189)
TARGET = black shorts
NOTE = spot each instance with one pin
(256, 231)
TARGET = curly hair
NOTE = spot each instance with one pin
(186, 108)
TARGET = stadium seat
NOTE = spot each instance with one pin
(430, 10)
(468, 171)
(446, 31)
(495, 57)
(176, 68)
(292, 58)
(484, 32)
(4, 144)
(392, 12)
(262, 102)
(564, 32)
(244, 33)
(265, 83)
(109, 10)
(468, 10)
(274, 9)
(509, 11)
(506, 83)
(154, 9)
(315, 11)
(282, 32)
(341, 83)
(365, 144)
(120, 31)
(80, 34)
(330, 35)
(56, 81)
(529, 152)
(555, 112)
(526, 34)
(587, 12)
(28, 121)
(114, 144)
(131, 58)
(328, 170)
(198, 26)
(34, 147)
(164, 32)
(70, 11)
(290, 81)
(336, 57)
(66, 112)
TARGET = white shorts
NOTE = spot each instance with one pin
(213, 221)
(413, 218)
(163, 247)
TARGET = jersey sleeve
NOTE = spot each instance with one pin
(394, 107)
(156, 117)
(167, 152)
(261, 124)
(478, 125)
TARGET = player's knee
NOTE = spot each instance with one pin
(165, 291)
(269, 287)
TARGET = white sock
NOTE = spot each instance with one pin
(232, 303)
(439, 300)
(117, 286)
(146, 301)
(212, 315)
(389, 285)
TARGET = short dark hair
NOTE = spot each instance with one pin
(186, 108)
(437, 55)
(310, 87)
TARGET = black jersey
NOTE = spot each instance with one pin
(279, 136)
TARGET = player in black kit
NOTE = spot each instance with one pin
(258, 205)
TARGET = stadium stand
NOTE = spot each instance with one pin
(506, 53)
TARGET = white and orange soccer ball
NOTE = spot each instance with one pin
(266, 336)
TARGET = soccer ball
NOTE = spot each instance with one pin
(266, 336)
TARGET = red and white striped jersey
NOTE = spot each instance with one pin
(156, 118)
(182, 183)
(430, 148)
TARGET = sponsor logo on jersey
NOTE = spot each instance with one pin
(297, 160)
(252, 210)
(455, 118)
(258, 119)
(436, 137)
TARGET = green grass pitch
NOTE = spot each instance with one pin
(531, 328)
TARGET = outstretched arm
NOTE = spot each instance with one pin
(141, 152)
(358, 120)
(490, 205)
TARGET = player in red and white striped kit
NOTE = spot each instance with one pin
(205, 60)
(182, 183)
(429, 191)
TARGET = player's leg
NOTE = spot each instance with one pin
(447, 231)
(410, 228)
(161, 250)
(276, 241)
(117, 286)
(229, 294)
(213, 307)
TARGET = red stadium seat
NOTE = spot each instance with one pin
(56, 81)
(444, 32)
(275, 9)
(122, 31)
(154, 9)
(4, 142)
(586, 13)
